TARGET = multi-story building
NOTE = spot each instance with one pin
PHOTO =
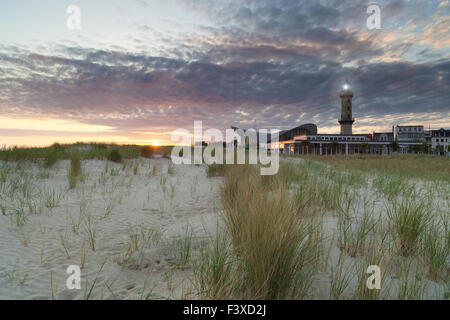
(409, 134)
(440, 141)
(405, 135)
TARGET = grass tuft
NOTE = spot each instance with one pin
(115, 156)
(75, 170)
(408, 219)
(276, 246)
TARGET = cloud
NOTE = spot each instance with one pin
(126, 90)
(260, 64)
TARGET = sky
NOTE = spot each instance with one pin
(137, 70)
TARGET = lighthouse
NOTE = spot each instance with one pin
(346, 120)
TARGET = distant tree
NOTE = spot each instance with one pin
(56, 146)
(204, 144)
(394, 145)
(424, 147)
(416, 148)
(364, 147)
(439, 149)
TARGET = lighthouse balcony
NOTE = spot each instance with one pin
(346, 120)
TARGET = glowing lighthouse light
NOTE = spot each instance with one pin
(346, 86)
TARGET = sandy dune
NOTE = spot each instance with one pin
(131, 221)
(135, 228)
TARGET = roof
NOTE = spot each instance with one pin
(378, 133)
(308, 128)
(440, 133)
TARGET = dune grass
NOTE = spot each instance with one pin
(427, 167)
(115, 156)
(214, 269)
(50, 155)
(50, 158)
(74, 170)
(274, 240)
(409, 219)
(274, 246)
(435, 249)
(275, 228)
(215, 170)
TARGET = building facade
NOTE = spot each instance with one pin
(440, 142)
(327, 144)
(383, 136)
(305, 139)
(409, 134)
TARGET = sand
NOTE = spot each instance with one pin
(118, 205)
(125, 225)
